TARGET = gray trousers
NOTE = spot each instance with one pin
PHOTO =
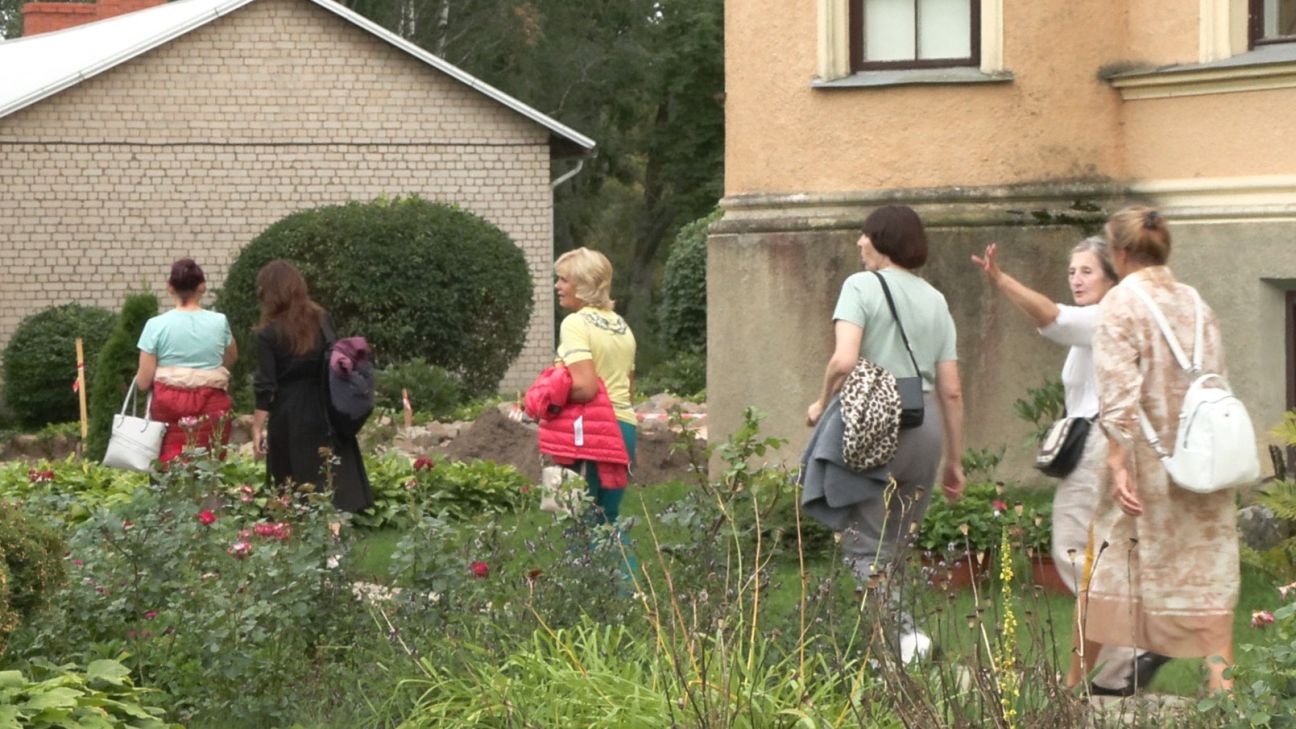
(877, 530)
(1073, 509)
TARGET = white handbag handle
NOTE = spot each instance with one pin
(131, 396)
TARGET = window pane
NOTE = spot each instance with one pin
(888, 30)
(1279, 18)
(944, 28)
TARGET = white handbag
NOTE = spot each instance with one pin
(562, 490)
(135, 442)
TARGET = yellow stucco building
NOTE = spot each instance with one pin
(1025, 123)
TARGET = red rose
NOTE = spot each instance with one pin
(533, 575)
(423, 463)
(206, 517)
(999, 505)
(479, 569)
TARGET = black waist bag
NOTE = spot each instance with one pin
(1063, 446)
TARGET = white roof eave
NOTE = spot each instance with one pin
(161, 24)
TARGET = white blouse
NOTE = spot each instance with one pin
(1074, 327)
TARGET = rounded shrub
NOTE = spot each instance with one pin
(417, 279)
(40, 361)
(31, 568)
(431, 389)
(115, 366)
(682, 313)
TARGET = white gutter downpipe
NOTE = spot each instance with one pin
(567, 175)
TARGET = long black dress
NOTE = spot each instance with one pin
(291, 389)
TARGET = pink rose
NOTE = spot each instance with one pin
(999, 505)
(150, 615)
(240, 549)
(1261, 618)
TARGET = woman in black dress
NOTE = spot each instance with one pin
(292, 339)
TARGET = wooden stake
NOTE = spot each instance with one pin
(81, 392)
(409, 409)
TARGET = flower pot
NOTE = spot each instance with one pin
(956, 573)
(1044, 573)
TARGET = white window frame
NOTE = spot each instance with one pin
(834, 61)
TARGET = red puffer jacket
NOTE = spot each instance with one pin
(578, 431)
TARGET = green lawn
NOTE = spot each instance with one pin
(1044, 619)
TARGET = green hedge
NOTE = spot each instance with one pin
(417, 279)
(40, 362)
(117, 362)
(683, 309)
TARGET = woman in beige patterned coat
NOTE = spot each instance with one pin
(1162, 562)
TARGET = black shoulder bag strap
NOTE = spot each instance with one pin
(329, 337)
(891, 305)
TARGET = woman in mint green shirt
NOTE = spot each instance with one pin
(184, 358)
(894, 244)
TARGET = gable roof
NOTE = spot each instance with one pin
(36, 67)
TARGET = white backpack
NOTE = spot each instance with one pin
(1216, 447)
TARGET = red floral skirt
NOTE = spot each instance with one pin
(191, 415)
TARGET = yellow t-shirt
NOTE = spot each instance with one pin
(603, 336)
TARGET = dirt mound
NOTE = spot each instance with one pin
(494, 437)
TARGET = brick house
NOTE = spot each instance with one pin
(189, 127)
(1025, 123)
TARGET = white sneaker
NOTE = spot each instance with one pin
(914, 645)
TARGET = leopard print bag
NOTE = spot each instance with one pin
(870, 406)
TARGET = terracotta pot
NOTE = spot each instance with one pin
(957, 573)
(1044, 572)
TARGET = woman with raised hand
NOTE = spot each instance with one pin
(1162, 565)
(185, 355)
(1089, 276)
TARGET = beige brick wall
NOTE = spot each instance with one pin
(199, 145)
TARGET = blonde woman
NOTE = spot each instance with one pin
(595, 343)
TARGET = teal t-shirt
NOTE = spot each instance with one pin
(196, 339)
(922, 309)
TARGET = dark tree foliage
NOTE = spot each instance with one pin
(40, 362)
(643, 78)
(416, 278)
(117, 362)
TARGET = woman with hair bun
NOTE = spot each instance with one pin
(1161, 567)
(184, 358)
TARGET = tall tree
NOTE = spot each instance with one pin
(644, 78)
(11, 18)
